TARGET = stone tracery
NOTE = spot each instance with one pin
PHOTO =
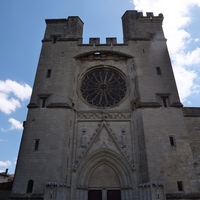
(103, 87)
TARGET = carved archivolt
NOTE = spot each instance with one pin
(104, 157)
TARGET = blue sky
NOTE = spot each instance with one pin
(22, 29)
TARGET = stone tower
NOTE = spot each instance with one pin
(105, 121)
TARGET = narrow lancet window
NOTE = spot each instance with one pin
(29, 189)
(172, 141)
(158, 70)
(180, 185)
(48, 73)
(36, 146)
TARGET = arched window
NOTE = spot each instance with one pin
(30, 186)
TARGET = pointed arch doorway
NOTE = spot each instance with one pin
(104, 184)
(104, 175)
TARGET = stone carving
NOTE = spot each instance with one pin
(123, 139)
(105, 115)
(56, 184)
(83, 139)
(103, 142)
(103, 138)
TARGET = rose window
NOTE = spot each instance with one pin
(103, 87)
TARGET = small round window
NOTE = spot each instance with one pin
(103, 87)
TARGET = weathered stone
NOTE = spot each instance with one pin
(122, 134)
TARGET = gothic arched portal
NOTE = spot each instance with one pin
(104, 173)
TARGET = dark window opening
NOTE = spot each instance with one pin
(172, 141)
(43, 102)
(48, 73)
(180, 185)
(152, 37)
(158, 70)
(30, 186)
(36, 147)
(165, 101)
(54, 39)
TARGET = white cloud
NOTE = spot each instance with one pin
(6, 163)
(11, 93)
(177, 18)
(188, 58)
(8, 105)
(15, 124)
(182, 77)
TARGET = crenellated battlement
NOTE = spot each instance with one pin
(134, 14)
(136, 26)
(139, 27)
(151, 18)
(109, 41)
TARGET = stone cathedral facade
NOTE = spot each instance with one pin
(105, 121)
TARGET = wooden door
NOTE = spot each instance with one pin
(113, 195)
(94, 195)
